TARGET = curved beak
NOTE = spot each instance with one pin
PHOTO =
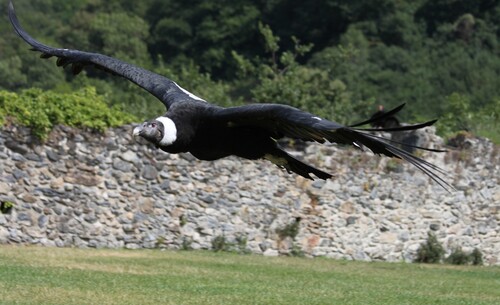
(137, 131)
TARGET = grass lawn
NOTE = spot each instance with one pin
(34, 275)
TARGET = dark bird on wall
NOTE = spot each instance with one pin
(210, 132)
(383, 121)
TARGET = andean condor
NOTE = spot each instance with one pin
(210, 132)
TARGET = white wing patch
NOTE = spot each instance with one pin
(317, 118)
(189, 93)
(169, 131)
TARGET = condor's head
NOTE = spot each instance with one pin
(160, 131)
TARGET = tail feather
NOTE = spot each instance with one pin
(400, 128)
(380, 145)
(291, 164)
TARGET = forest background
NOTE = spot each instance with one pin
(338, 59)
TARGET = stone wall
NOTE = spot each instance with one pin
(105, 190)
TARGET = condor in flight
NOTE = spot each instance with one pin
(210, 132)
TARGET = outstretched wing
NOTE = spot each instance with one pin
(164, 89)
(285, 121)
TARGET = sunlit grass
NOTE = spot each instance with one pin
(32, 275)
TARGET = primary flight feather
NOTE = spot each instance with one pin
(211, 132)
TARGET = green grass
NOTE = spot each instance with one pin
(35, 275)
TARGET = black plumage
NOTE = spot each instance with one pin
(210, 132)
(383, 121)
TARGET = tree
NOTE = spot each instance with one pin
(281, 79)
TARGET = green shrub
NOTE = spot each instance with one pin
(394, 165)
(458, 257)
(296, 251)
(182, 220)
(457, 116)
(241, 244)
(6, 207)
(431, 251)
(160, 241)
(186, 244)
(219, 243)
(42, 110)
(476, 257)
(290, 230)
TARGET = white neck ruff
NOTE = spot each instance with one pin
(169, 131)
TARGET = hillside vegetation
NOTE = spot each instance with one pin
(335, 58)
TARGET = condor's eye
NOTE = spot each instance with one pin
(153, 125)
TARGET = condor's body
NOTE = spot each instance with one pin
(210, 132)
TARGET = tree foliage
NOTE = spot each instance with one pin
(328, 56)
(281, 79)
